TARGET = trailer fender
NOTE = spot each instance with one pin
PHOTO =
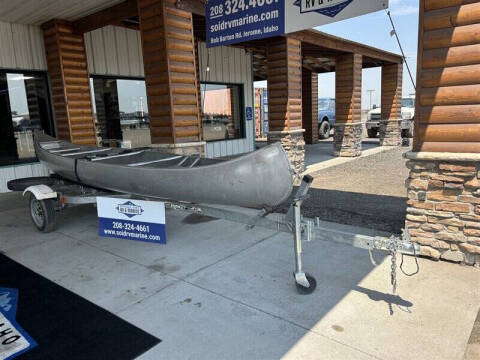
(41, 192)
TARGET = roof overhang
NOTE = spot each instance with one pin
(319, 49)
(37, 12)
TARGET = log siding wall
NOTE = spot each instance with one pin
(284, 72)
(448, 81)
(310, 105)
(348, 88)
(170, 71)
(67, 68)
(392, 77)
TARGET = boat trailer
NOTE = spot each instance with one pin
(49, 195)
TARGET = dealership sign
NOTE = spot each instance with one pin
(234, 21)
(137, 220)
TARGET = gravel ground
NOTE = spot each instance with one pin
(368, 192)
(380, 174)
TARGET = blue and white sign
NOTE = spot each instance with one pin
(14, 341)
(8, 302)
(307, 14)
(249, 113)
(234, 21)
(137, 220)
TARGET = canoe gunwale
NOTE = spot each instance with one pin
(261, 179)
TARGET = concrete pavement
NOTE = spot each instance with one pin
(219, 291)
(320, 156)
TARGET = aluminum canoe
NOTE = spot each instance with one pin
(261, 179)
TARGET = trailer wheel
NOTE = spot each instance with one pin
(43, 214)
(302, 290)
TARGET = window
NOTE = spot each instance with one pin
(24, 108)
(408, 102)
(326, 104)
(121, 111)
(222, 111)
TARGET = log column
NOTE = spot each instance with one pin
(310, 105)
(284, 75)
(347, 140)
(390, 125)
(67, 68)
(171, 76)
(443, 212)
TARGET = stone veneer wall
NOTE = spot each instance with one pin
(347, 140)
(181, 148)
(443, 213)
(390, 133)
(294, 145)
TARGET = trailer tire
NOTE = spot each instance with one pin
(42, 213)
(324, 130)
(307, 291)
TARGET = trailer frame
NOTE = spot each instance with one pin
(54, 194)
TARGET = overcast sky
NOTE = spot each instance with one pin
(374, 29)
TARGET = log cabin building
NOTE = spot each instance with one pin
(138, 73)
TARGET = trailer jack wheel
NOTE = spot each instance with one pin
(305, 283)
(43, 214)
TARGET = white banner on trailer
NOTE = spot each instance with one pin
(307, 14)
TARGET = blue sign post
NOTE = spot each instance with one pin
(233, 21)
(137, 220)
(249, 113)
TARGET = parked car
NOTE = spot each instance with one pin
(326, 117)
(408, 116)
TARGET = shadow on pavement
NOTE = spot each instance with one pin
(380, 212)
(403, 305)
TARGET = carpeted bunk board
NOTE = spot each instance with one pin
(65, 325)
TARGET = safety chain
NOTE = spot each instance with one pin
(392, 245)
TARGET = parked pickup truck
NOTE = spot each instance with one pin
(408, 115)
(326, 117)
